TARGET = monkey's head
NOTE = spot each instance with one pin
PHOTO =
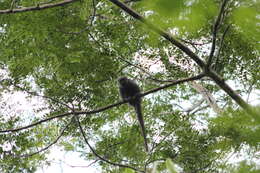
(123, 81)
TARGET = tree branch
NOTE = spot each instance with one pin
(37, 7)
(38, 95)
(208, 71)
(207, 96)
(102, 108)
(214, 33)
(36, 123)
(97, 155)
(47, 147)
(217, 66)
(159, 31)
(172, 84)
(222, 84)
(195, 105)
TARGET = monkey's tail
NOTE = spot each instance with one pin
(141, 122)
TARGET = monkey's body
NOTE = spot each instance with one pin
(128, 89)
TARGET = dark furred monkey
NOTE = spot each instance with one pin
(128, 89)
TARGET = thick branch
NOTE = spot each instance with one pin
(164, 34)
(37, 7)
(103, 108)
(222, 84)
(214, 33)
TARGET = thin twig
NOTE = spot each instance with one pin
(173, 83)
(195, 105)
(94, 12)
(37, 7)
(36, 123)
(38, 95)
(128, 1)
(121, 58)
(207, 96)
(222, 39)
(220, 48)
(47, 147)
(81, 166)
(97, 155)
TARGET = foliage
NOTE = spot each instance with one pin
(238, 128)
(71, 55)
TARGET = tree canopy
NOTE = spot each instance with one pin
(197, 63)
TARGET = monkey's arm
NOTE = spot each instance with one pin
(141, 122)
(123, 93)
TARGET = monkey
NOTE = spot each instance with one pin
(129, 89)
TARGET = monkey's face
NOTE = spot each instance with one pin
(123, 81)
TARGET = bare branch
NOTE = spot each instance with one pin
(81, 166)
(128, 1)
(222, 40)
(37, 7)
(173, 83)
(217, 66)
(36, 123)
(194, 106)
(207, 96)
(199, 109)
(97, 155)
(94, 12)
(215, 30)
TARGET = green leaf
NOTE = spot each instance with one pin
(128, 170)
(248, 20)
(170, 166)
